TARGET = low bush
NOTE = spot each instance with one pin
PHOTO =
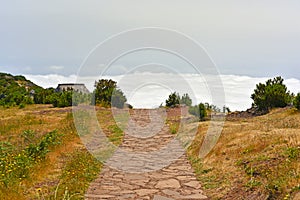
(198, 111)
(297, 101)
(16, 165)
(272, 94)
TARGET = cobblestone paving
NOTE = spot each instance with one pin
(147, 166)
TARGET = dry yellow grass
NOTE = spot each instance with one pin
(65, 163)
(255, 158)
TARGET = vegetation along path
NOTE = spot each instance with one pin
(145, 166)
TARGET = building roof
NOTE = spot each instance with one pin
(78, 87)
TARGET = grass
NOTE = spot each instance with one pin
(112, 124)
(257, 157)
(17, 166)
(173, 127)
(80, 169)
(41, 155)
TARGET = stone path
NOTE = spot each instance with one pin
(150, 164)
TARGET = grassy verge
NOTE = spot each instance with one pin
(41, 155)
(257, 158)
(79, 170)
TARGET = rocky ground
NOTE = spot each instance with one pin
(150, 164)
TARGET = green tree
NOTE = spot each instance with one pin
(297, 101)
(226, 109)
(104, 90)
(43, 96)
(62, 99)
(79, 97)
(199, 111)
(202, 111)
(211, 107)
(272, 94)
(118, 99)
(185, 99)
(173, 100)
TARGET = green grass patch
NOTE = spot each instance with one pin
(81, 169)
(116, 134)
(17, 165)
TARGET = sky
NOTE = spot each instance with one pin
(255, 39)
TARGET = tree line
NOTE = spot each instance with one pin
(200, 110)
(105, 94)
(17, 91)
(266, 96)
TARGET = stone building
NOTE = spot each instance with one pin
(78, 87)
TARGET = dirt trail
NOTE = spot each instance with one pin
(150, 164)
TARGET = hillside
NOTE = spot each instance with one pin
(255, 158)
(18, 91)
(15, 90)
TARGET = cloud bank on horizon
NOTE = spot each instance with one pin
(146, 90)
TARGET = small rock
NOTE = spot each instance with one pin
(104, 196)
(193, 184)
(158, 197)
(183, 177)
(110, 187)
(170, 183)
(144, 192)
(195, 196)
(172, 193)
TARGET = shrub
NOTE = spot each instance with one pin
(199, 111)
(118, 99)
(44, 96)
(16, 165)
(29, 136)
(173, 100)
(39, 151)
(297, 101)
(68, 98)
(21, 106)
(104, 90)
(185, 99)
(272, 94)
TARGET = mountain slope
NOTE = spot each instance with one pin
(15, 90)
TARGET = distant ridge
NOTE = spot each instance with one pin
(18, 79)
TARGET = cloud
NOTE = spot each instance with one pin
(242, 37)
(149, 90)
(51, 80)
(56, 67)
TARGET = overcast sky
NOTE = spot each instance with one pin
(255, 38)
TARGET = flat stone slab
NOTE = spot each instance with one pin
(169, 183)
(158, 197)
(193, 184)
